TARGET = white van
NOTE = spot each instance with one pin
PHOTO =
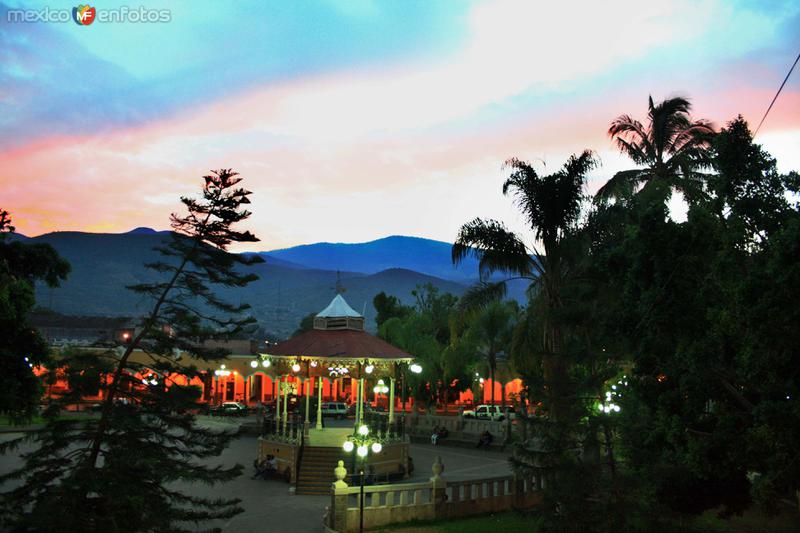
(334, 409)
(490, 412)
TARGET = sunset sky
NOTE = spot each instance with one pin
(355, 120)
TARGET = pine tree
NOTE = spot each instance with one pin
(21, 346)
(119, 472)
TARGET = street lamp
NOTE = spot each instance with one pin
(362, 443)
(222, 372)
(380, 388)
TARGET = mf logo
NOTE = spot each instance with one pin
(83, 15)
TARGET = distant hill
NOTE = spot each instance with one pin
(18, 237)
(104, 264)
(412, 253)
(144, 231)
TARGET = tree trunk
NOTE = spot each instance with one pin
(491, 377)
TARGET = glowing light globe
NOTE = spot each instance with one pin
(362, 451)
(376, 447)
(348, 446)
(253, 364)
(295, 368)
(265, 363)
(415, 368)
(363, 431)
(369, 369)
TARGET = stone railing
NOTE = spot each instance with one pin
(459, 428)
(435, 499)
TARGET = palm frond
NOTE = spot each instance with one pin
(495, 247)
(481, 295)
(621, 185)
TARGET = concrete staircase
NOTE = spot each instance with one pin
(316, 469)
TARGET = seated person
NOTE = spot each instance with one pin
(265, 468)
(485, 439)
(442, 433)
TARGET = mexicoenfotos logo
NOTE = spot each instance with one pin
(83, 15)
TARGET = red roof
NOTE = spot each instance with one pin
(338, 344)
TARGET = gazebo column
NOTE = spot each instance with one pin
(391, 400)
(278, 405)
(362, 397)
(285, 404)
(307, 392)
(319, 403)
(358, 403)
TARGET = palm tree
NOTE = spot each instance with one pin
(671, 149)
(493, 328)
(552, 206)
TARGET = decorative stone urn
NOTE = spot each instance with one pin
(340, 472)
(437, 468)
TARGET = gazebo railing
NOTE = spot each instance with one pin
(289, 430)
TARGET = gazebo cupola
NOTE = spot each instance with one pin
(339, 315)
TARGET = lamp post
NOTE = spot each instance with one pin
(221, 373)
(362, 443)
(380, 388)
(416, 369)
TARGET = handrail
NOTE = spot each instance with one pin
(481, 480)
(301, 447)
(396, 487)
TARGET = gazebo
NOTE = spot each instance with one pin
(337, 349)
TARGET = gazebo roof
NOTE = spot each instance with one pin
(338, 308)
(339, 335)
(339, 344)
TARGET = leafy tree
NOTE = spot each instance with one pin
(671, 148)
(21, 346)
(388, 307)
(306, 324)
(439, 343)
(747, 189)
(118, 472)
(703, 310)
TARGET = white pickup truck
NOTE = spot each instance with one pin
(490, 412)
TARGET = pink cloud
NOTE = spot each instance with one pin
(379, 176)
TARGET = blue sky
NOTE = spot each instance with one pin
(355, 120)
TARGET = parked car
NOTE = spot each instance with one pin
(490, 412)
(228, 409)
(334, 409)
(351, 411)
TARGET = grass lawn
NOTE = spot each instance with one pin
(510, 522)
(752, 521)
(5, 423)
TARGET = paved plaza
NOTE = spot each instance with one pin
(269, 506)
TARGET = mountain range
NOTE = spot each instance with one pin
(293, 282)
(425, 256)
